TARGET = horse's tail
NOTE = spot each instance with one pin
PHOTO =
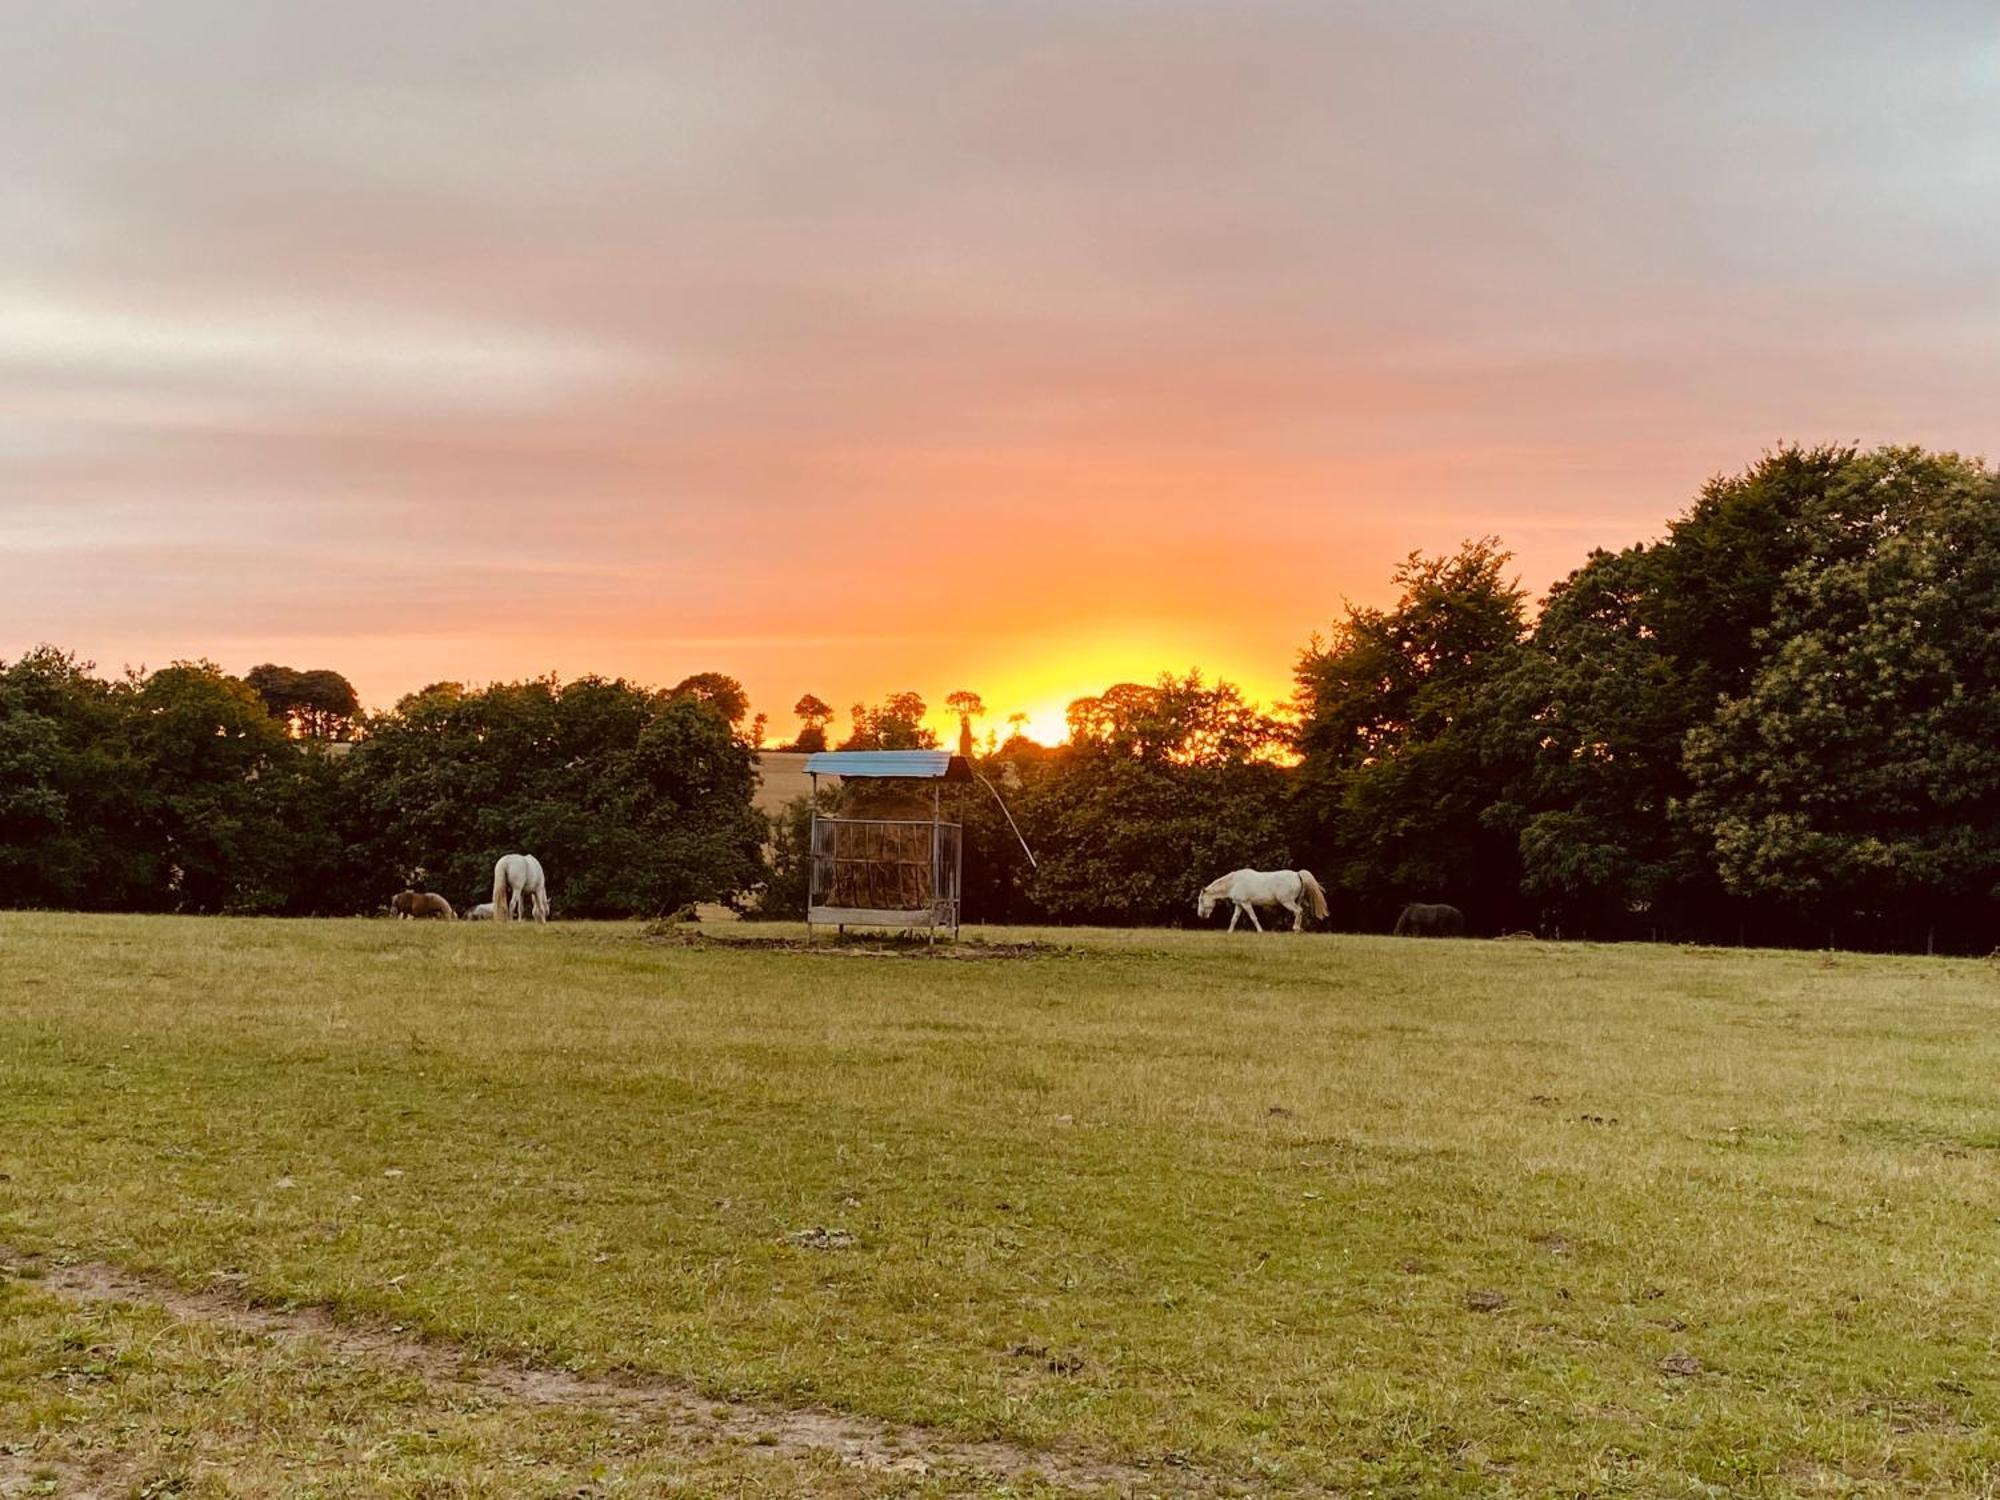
(449, 914)
(1314, 893)
(500, 891)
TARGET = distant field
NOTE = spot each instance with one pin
(455, 1210)
(781, 780)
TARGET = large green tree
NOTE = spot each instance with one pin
(71, 793)
(1636, 651)
(1586, 726)
(1160, 790)
(636, 802)
(1395, 778)
(220, 776)
(176, 791)
(1856, 778)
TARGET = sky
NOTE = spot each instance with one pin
(1016, 346)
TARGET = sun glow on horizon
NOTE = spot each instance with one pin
(1073, 669)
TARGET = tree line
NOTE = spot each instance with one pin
(188, 789)
(1779, 722)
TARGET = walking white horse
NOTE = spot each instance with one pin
(1294, 890)
(518, 883)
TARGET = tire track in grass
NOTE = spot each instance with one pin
(777, 1432)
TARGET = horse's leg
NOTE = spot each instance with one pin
(1252, 909)
(1235, 915)
(1298, 915)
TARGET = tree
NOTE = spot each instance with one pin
(71, 793)
(1394, 783)
(1179, 720)
(319, 704)
(217, 769)
(896, 724)
(1856, 779)
(719, 691)
(1633, 655)
(1160, 789)
(174, 791)
(1586, 726)
(637, 802)
(968, 706)
(813, 715)
(1719, 570)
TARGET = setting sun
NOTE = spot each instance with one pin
(1040, 674)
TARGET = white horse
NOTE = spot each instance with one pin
(483, 912)
(518, 882)
(1249, 889)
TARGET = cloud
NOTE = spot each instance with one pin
(659, 336)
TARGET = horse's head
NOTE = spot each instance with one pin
(1204, 905)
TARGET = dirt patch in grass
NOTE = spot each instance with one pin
(22, 1475)
(778, 1432)
(841, 946)
(819, 1237)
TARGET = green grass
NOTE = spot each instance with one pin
(1241, 1189)
(130, 1402)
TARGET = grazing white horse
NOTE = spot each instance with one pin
(483, 912)
(519, 889)
(1249, 889)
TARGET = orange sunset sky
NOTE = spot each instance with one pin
(856, 347)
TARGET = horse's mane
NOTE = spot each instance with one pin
(1220, 884)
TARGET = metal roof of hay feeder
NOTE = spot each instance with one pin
(913, 765)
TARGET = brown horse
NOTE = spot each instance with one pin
(408, 905)
(1420, 919)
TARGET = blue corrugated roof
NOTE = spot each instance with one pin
(915, 764)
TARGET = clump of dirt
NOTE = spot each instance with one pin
(819, 1237)
(1055, 1364)
(1681, 1364)
(26, 1473)
(1485, 1300)
(959, 951)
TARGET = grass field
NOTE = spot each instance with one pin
(1245, 1214)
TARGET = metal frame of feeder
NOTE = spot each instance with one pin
(886, 872)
